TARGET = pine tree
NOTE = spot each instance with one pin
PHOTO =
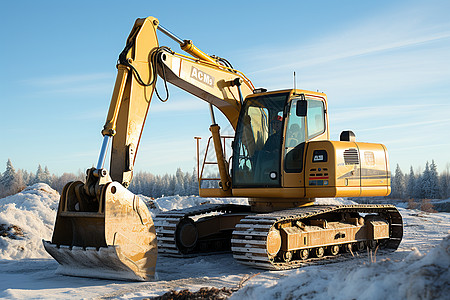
(26, 177)
(148, 183)
(172, 183)
(19, 181)
(398, 184)
(429, 182)
(11, 181)
(39, 175)
(156, 191)
(194, 183)
(46, 177)
(9, 175)
(411, 184)
(425, 183)
(445, 182)
(434, 182)
(165, 185)
(187, 184)
(179, 183)
(418, 188)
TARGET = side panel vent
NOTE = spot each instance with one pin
(351, 157)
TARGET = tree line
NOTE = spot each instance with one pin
(147, 184)
(13, 181)
(428, 184)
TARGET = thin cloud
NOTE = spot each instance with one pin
(389, 111)
(379, 73)
(67, 79)
(410, 124)
(312, 59)
(426, 146)
(87, 89)
(87, 84)
(185, 104)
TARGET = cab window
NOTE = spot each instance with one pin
(315, 118)
(258, 141)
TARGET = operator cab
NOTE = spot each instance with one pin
(271, 134)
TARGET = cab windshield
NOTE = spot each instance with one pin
(258, 141)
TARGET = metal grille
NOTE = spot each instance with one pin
(351, 157)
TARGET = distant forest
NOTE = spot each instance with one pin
(428, 184)
(13, 181)
(423, 185)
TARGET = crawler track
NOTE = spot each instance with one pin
(250, 236)
(248, 241)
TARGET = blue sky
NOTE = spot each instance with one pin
(385, 66)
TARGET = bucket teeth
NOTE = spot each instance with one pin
(89, 262)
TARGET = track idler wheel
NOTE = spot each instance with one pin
(186, 235)
(273, 243)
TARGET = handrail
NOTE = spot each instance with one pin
(205, 162)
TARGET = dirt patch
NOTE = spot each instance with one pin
(12, 231)
(203, 293)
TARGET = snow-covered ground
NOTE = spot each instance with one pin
(419, 269)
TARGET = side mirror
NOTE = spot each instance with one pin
(302, 107)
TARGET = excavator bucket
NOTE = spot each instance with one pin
(112, 238)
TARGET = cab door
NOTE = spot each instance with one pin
(298, 131)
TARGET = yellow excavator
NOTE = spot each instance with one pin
(282, 159)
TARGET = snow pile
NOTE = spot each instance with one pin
(333, 201)
(417, 276)
(32, 211)
(179, 202)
